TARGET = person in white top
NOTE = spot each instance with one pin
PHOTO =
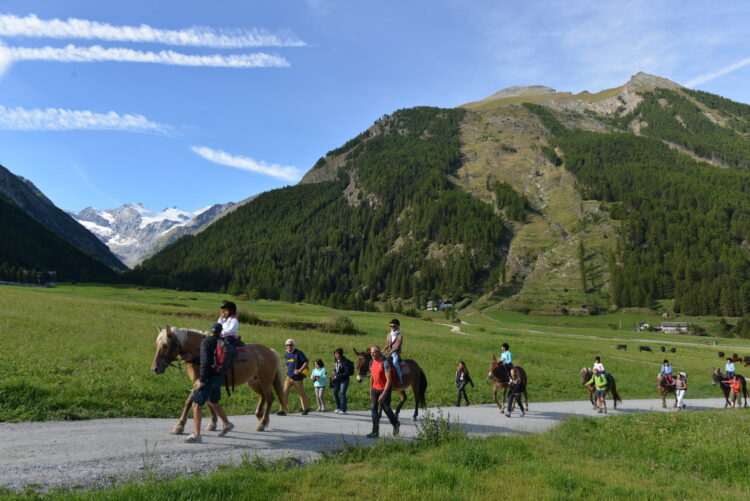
(228, 320)
(598, 365)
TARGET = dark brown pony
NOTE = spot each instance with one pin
(586, 375)
(260, 368)
(414, 378)
(662, 384)
(500, 376)
(719, 377)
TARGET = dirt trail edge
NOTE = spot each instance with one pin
(101, 452)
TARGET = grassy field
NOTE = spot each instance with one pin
(689, 455)
(84, 351)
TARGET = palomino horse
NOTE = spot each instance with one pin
(413, 377)
(261, 370)
(662, 384)
(500, 376)
(719, 377)
(587, 374)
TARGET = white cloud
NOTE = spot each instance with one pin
(60, 119)
(96, 53)
(32, 26)
(706, 77)
(245, 163)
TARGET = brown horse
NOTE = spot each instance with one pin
(718, 377)
(414, 378)
(259, 367)
(586, 375)
(500, 376)
(662, 384)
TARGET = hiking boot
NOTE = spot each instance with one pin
(396, 428)
(507, 414)
(229, 427)
(374, 434)
(306, 412)
(281, 413)
(193, 439)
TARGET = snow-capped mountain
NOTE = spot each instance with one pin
(133, 232)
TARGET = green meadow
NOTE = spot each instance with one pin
(84, 351)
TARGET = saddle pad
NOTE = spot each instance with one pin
(405, 368)
(242, 354)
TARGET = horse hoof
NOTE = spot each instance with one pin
(260, 427)
(177, 430)
(211, 427)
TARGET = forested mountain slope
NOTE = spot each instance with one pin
(26, 247)
(531, 199)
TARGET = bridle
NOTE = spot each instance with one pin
(168, 353)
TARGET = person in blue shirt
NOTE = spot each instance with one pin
(296, 363)
(506, 357)
(667, 370)
(729, 368)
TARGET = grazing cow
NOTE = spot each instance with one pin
(736, 358)
(721, 354)
(663, 349)
(622, 347)
(747, 361)
(644, 348)
(673, 350)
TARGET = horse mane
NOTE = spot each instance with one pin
(180, 334)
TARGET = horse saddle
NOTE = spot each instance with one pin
(405, 370)
(242, 353)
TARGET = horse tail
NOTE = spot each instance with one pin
(615, 395)
(422, 390)
(278, 381)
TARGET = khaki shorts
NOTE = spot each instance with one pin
(733, 396)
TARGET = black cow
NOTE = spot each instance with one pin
(663, 349)
(644, 348)
(622, 347)
(721, 354)
(673, 350)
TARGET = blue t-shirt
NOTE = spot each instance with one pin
(506, 357)
(729, 367)
(294, 361)
(666, 369)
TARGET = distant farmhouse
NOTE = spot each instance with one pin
(675, 328)
(431, 306)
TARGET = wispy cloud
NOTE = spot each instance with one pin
(96, 53)
(32, 26)
(706, 77)
(60, 119)
(245, 163)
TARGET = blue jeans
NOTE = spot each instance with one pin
(339, 393)
(397, 365)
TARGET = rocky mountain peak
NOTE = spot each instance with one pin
(642, 79)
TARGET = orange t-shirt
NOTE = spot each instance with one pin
(377, 372)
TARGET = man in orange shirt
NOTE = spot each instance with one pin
(736, 386)
(381, 377)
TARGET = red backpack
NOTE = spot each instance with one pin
(224, 356)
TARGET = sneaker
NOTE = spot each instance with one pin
(507, 414)
(374, 434)
(306, 412)
(523, 414)
(599, 410)
(193, 439)
(342, 412)
(605, 410)
(229, 427)
(396, 427)
(281, 413)
(337, 411)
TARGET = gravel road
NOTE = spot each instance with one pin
(105, 451)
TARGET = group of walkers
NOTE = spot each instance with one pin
(385, 371)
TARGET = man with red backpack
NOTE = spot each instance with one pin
(208, 387)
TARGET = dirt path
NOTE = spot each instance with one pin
(103, 451)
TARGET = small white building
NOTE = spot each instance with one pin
(675, 327)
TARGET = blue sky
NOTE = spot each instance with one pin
(187, 103)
